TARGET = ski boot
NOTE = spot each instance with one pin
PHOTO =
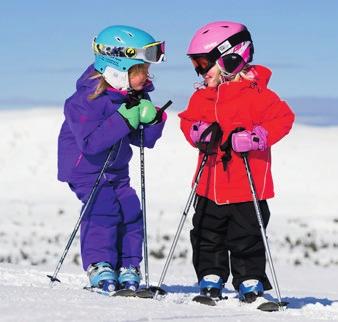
(210, 290)
(101, 275)
(249, 290)
(211, 285)
(129, 278)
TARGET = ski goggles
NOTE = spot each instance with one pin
(151, 53)
(231, 63)
(202, 63)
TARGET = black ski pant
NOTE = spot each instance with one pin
(228, 237)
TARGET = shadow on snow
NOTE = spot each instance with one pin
(294, 302)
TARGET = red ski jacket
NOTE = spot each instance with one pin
(246, 104)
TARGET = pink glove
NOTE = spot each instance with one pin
(196, 131)
(250, 140)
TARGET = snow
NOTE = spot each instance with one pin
(38, 214)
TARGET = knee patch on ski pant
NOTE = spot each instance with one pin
(130, 205)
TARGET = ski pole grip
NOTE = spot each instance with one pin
(160, 112)
(165, 106)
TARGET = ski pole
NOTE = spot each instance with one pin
(182, 221)
(143, 203)
(113, 151)
(261, 226)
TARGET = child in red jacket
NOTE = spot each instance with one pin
(226, 234)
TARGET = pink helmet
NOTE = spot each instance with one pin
(230, 41)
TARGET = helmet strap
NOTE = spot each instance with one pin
(230, 42)
(115, 78)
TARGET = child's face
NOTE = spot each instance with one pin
(137, 81)
(212, 77)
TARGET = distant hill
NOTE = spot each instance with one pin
(315, 110)
(319, 111)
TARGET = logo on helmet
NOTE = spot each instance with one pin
(224, 47)
(130, 52)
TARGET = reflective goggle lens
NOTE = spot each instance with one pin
(231, 62)
(154, 52)
(202, 64)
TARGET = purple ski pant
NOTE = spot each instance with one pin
(112, 228)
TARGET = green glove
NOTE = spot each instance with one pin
(131, 115)
(147, 111)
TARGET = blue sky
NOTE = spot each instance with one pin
(47, 44)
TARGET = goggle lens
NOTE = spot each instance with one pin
(231, 62)
(202, 64)
(154, 53)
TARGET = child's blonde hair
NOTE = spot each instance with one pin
(243, 74)
(103, 85)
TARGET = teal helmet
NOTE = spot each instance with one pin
(117, 48)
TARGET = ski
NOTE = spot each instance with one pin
(270, 306)
(98, 290)
(203, 299)
(149, 293)
(207, 300)
(263, 305)
(122, 292)
(141, 293)
(125, 293)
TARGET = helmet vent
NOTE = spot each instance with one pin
(204, 32)
(118, 39)
(130, 34)
(225, 26)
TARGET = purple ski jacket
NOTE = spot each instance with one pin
(91, 128)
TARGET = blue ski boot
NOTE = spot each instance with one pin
(211, 286)
(129, 278)
(101, 275)
(249, 290)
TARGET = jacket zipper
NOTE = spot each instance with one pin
(215, 167)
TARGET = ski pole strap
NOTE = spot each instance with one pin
(226, 147)
(208, 148)
(134, 97)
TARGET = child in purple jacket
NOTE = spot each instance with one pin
(110, 102)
